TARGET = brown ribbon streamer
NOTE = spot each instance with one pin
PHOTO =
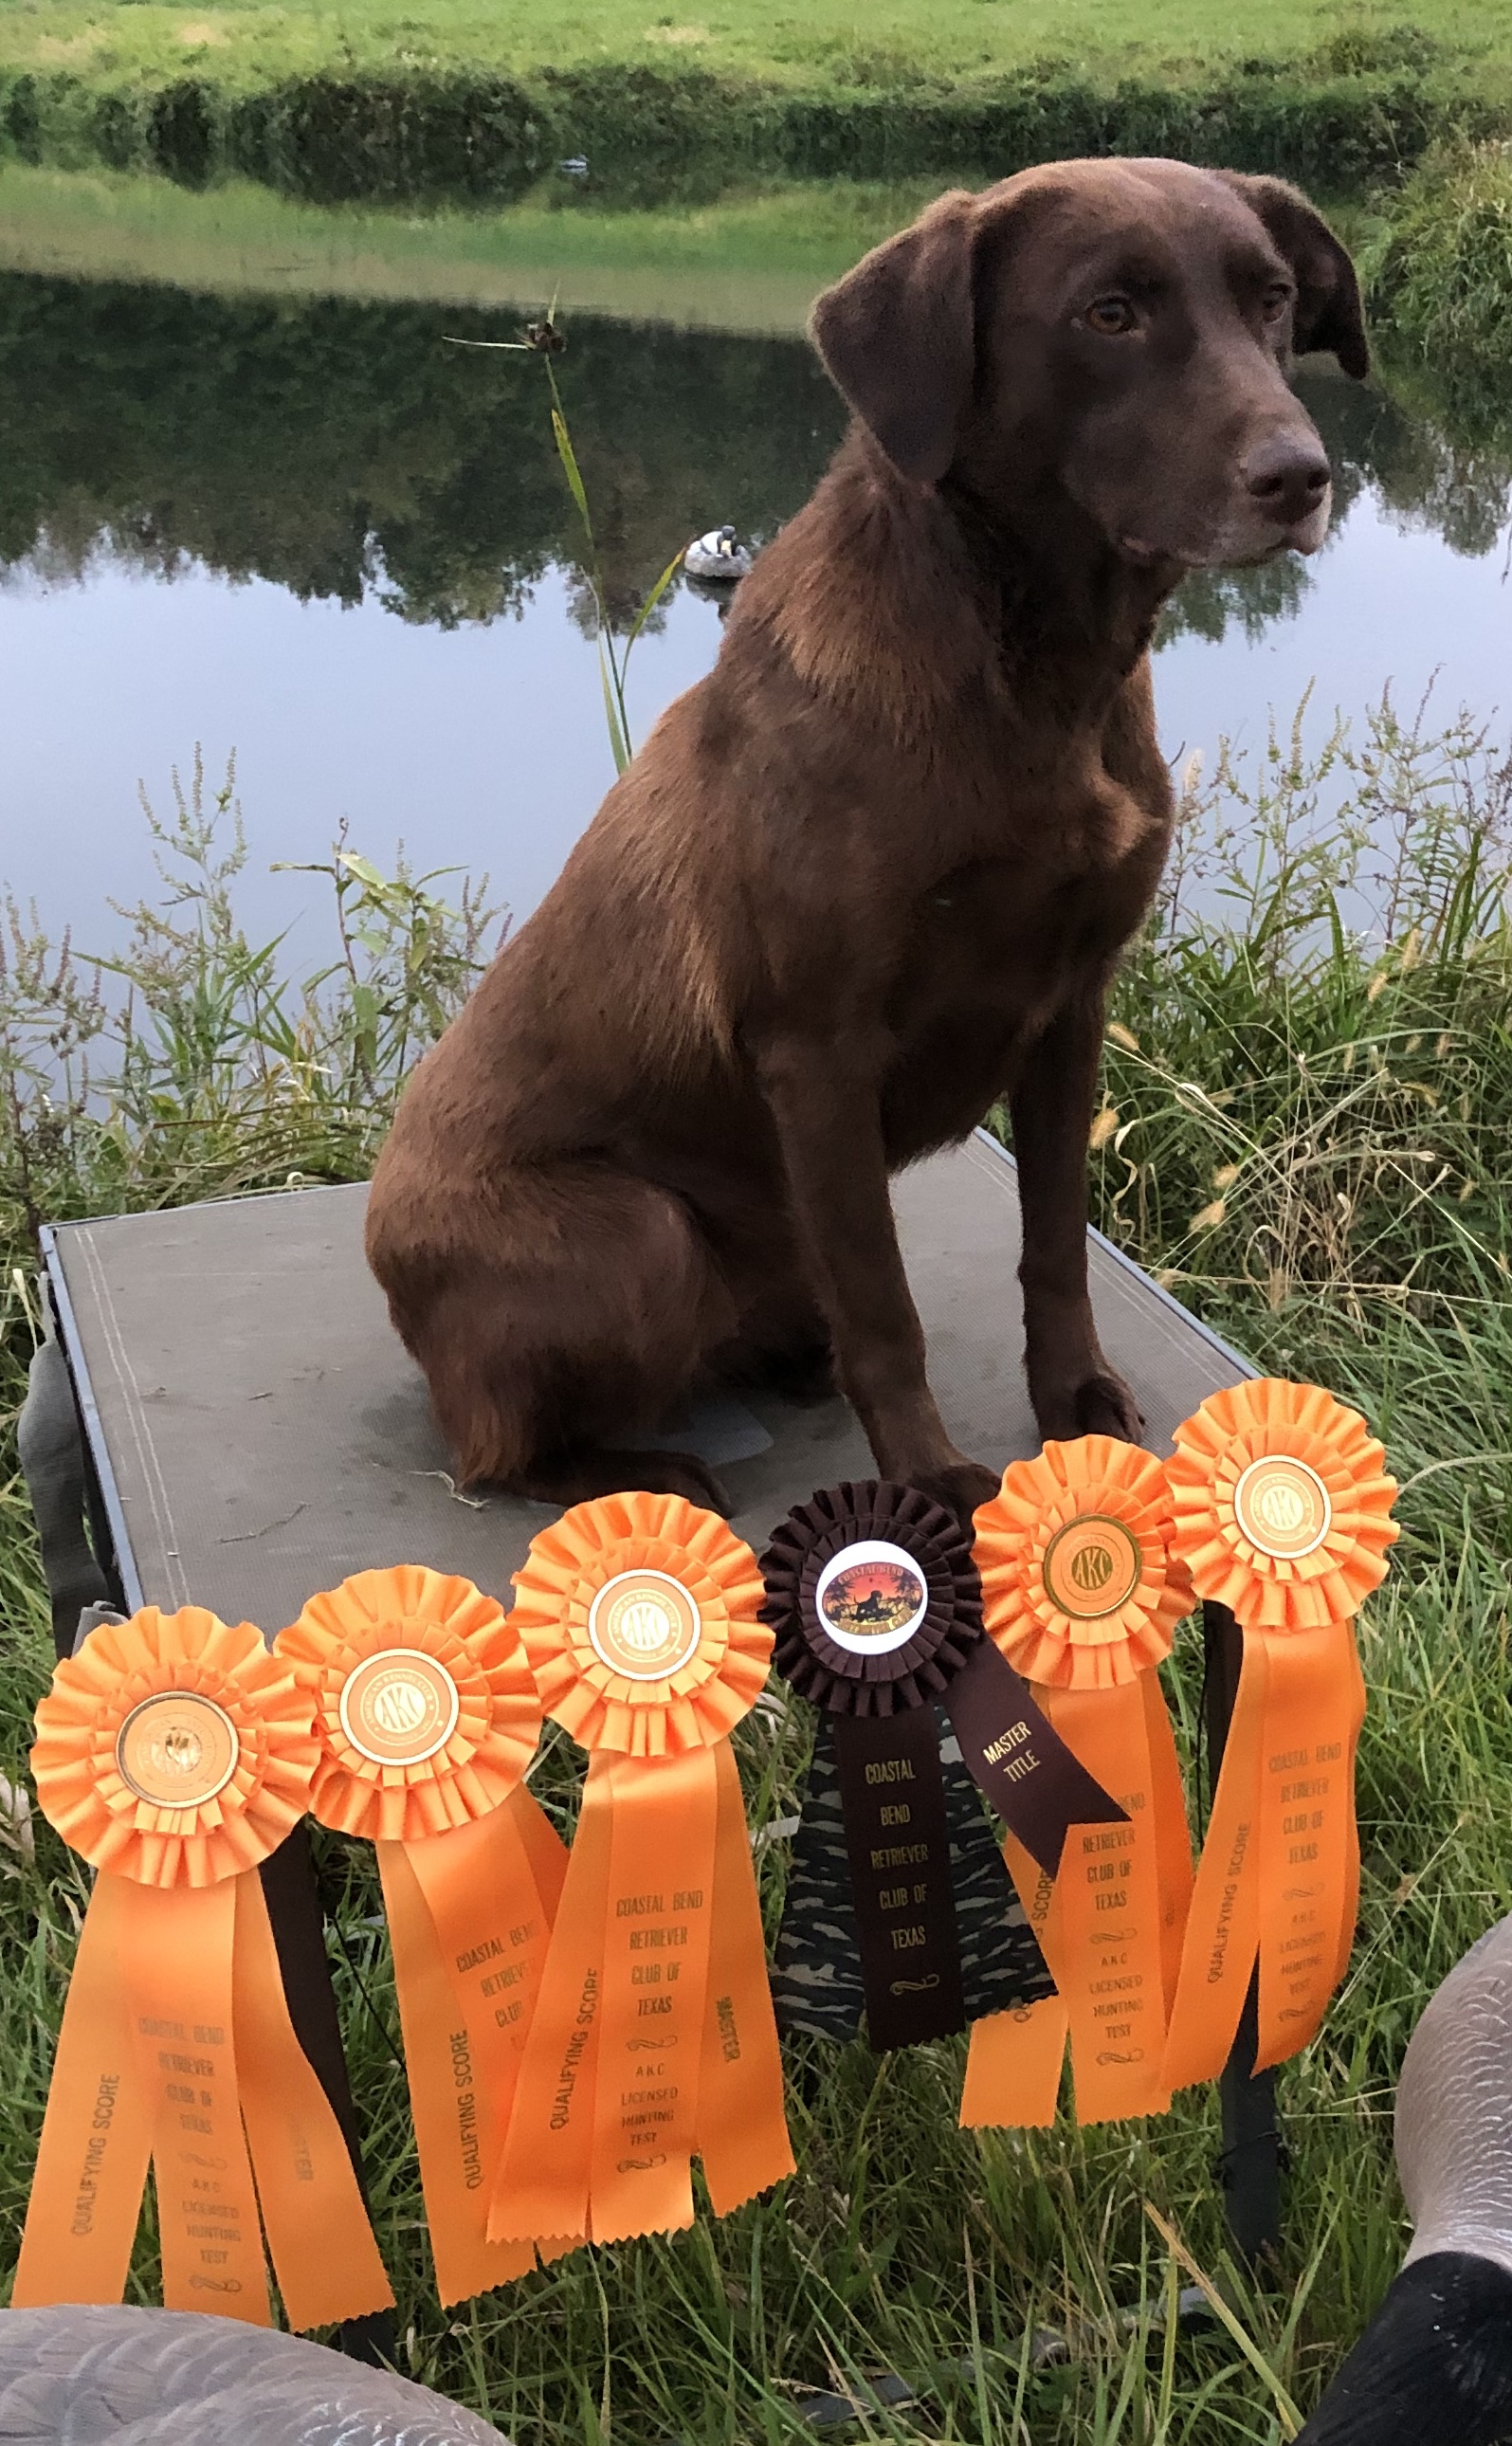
(897, 1844)
(1035, 1782)
(874, 1673)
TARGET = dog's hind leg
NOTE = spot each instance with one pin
(555, 1312)
(783, 1343)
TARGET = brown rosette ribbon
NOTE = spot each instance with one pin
(876, 1603)
(175, 1753)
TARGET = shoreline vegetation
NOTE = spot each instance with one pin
(1307, 1097)
(441, 105)
(1438, 278)
(717, 171)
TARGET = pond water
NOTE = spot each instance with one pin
(312, 534)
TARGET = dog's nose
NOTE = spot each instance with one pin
(1288, 476)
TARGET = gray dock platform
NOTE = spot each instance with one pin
(259, 1431)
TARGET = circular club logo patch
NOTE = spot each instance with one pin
(398, 1708)
(644, 1625)
(178, 1750)
(1092, 1566)
(872, 1597)
(1282, 1507)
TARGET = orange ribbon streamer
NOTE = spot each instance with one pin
(1082, 1594)
(653, 2040)
(428, 1714)
(1282, 1514)
(176, 1754)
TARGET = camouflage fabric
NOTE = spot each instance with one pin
(816, 1981)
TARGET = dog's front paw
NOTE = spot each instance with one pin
(962, 1490)
(1106, 1406)
(1096, 1405)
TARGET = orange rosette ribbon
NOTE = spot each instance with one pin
(653, 2040)
(176, 1754)
(1283, 1514)
(1082, 1593)
(427, 1716)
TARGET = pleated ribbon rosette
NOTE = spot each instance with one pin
(175, 1753)
(1082, 1593)
(653, 2040)
(1283, 1514)
(427, 1715)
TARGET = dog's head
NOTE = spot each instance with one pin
(1114, 332)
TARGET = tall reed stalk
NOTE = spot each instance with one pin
(544, 340)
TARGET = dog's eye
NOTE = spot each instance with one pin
(1276, 300)
(1110, 315)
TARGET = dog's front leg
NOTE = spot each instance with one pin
(1074, 1390)
(823, 1102)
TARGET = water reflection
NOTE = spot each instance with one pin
(316, 480)
(336, 448)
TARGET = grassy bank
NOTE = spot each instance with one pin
(1308, 1102)
(454, 103)
(246, 43)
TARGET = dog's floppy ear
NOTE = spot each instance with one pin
(1329, 315)
(897, 336)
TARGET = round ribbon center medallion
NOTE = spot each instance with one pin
(872, 1597)
(1092, 1566)
(644, 1625)
(398, 1708)
(1282, 1507)
(177, 1749)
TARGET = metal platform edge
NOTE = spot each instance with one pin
(96, 1448)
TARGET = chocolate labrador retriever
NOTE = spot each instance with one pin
(875, 871)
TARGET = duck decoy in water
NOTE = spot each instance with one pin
(79, 2376)
(717, 556)
(1435, 2363)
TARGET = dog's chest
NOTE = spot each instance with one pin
(991, 961)
(1001, 937)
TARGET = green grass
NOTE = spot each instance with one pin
(362, 101)
(1439, 273)
(1308, 1103)
(824, 41)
